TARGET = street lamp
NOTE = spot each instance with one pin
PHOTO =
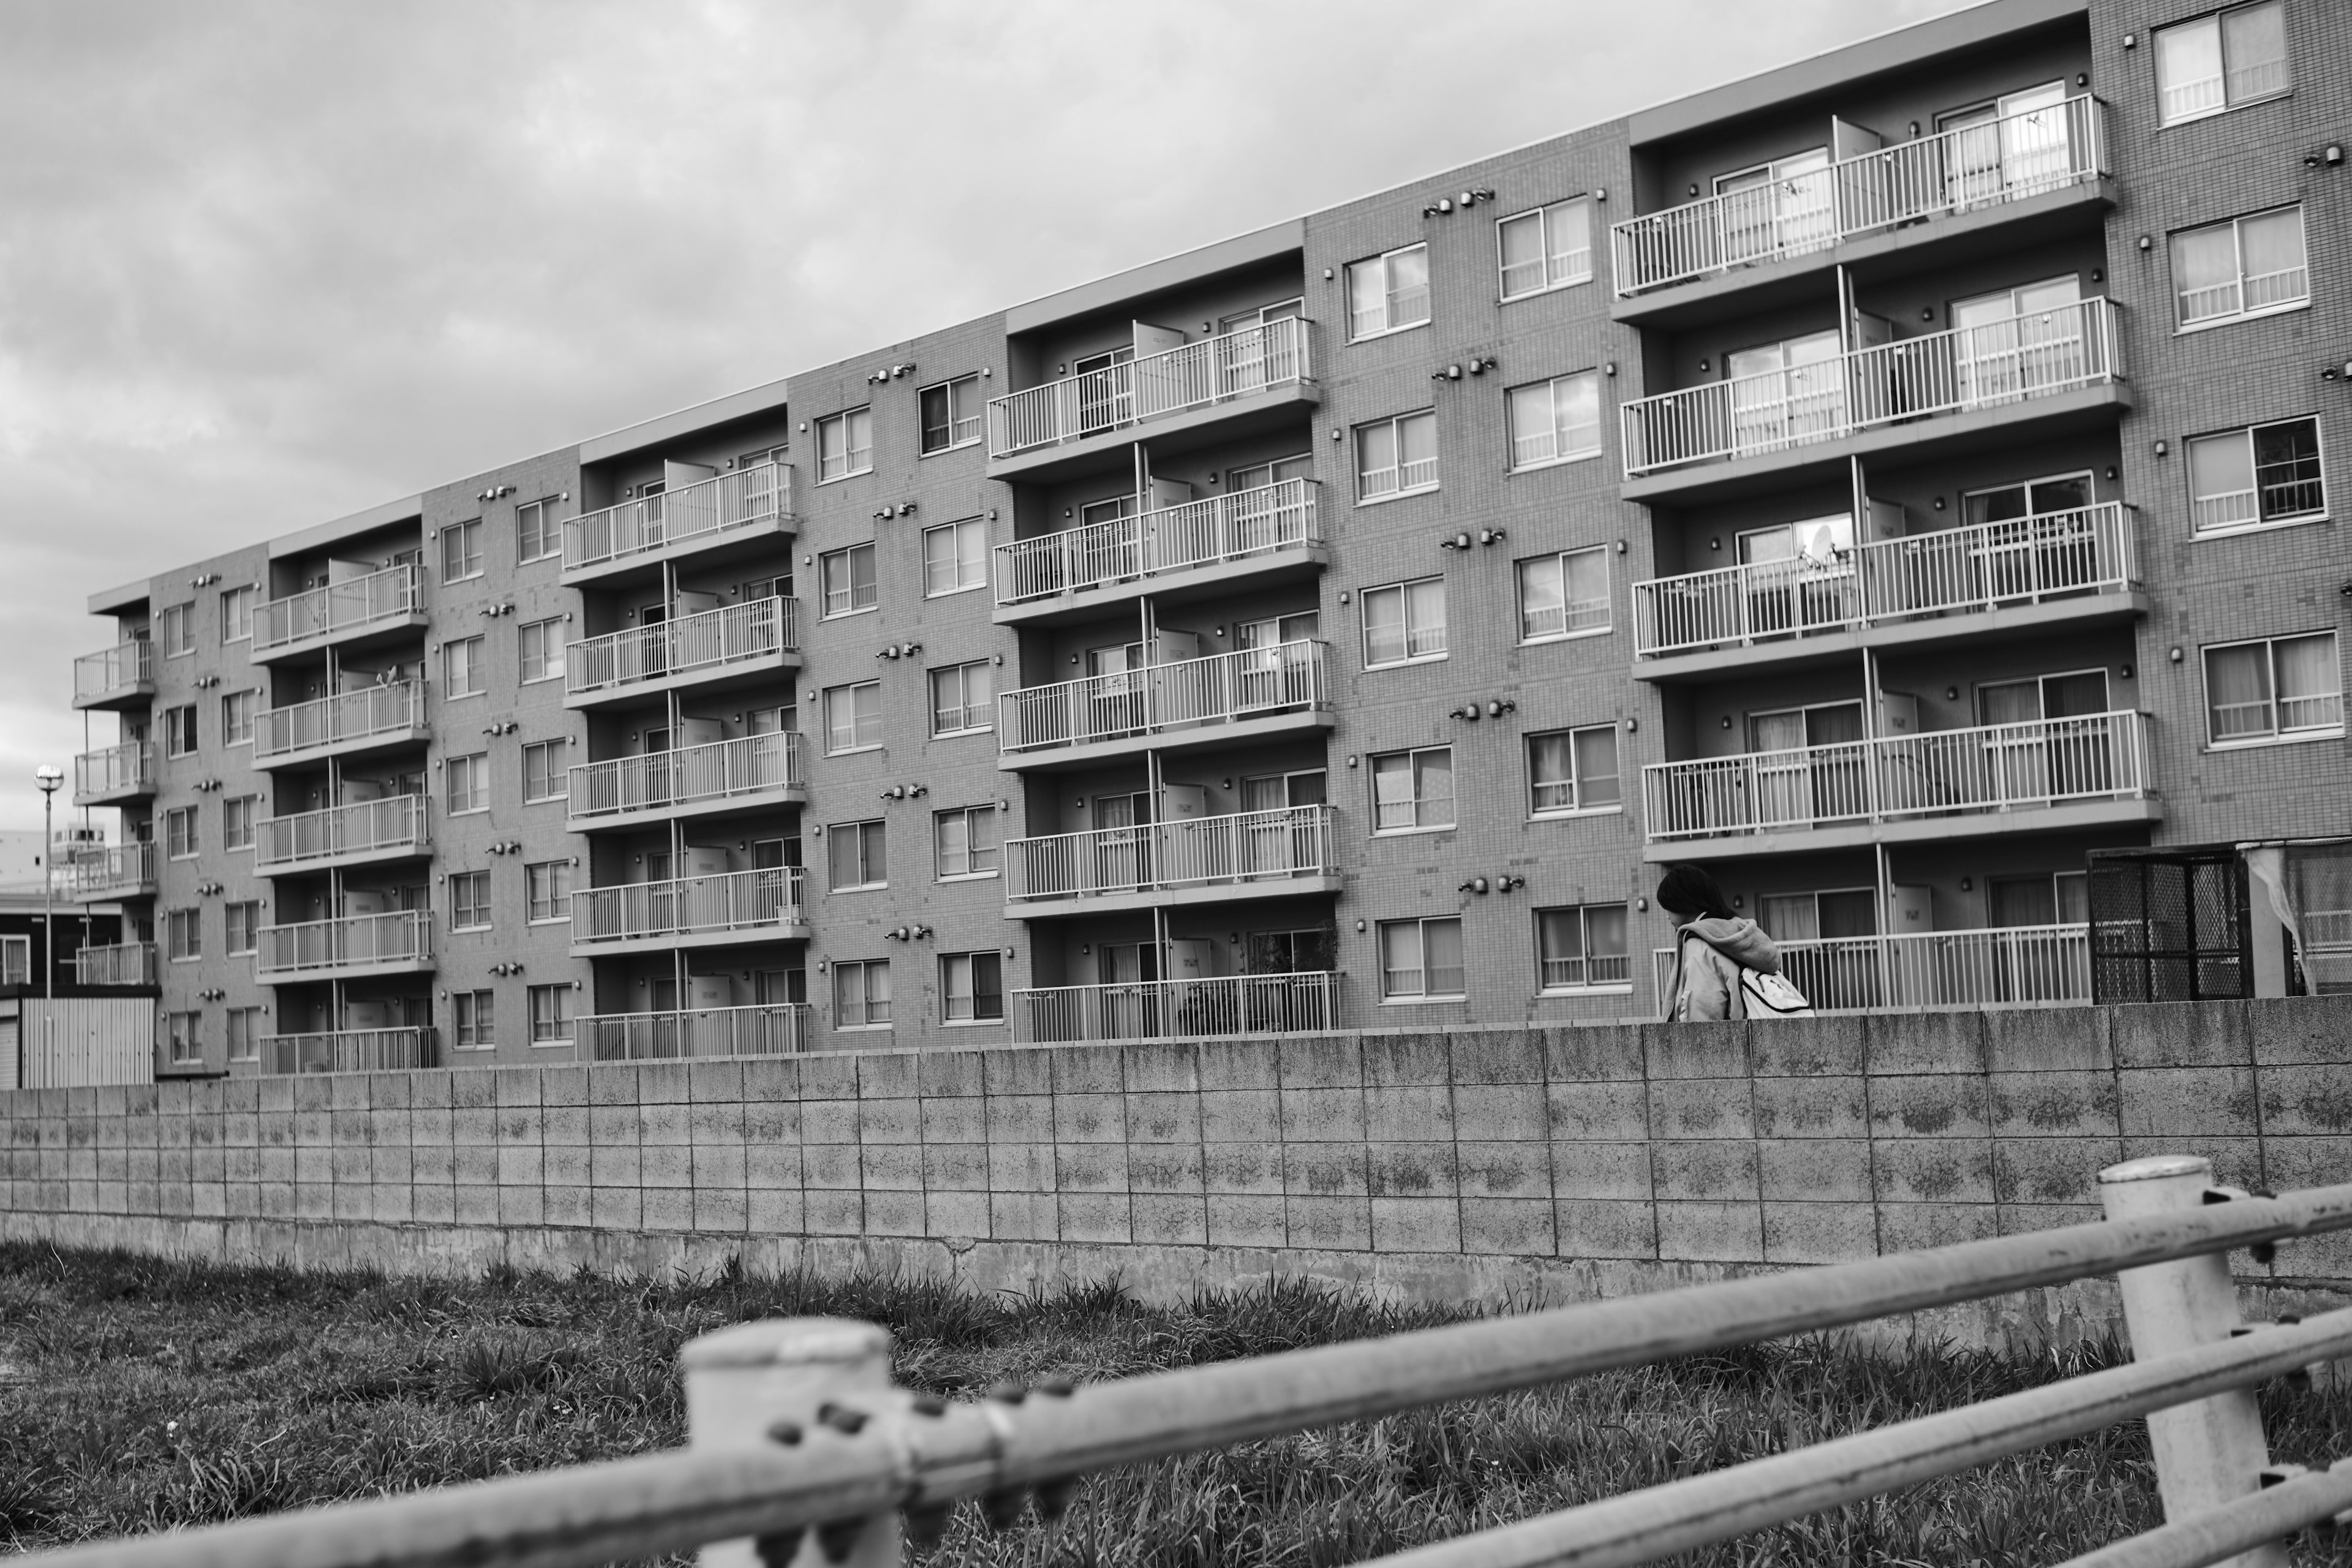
(49, 776)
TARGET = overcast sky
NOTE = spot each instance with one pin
(265, 265)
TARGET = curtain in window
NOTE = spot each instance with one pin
(2238, 691)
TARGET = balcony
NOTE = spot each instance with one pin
(1988, 580)
(750, 772)
(1231, 385)
(351, 1051)
(2003, 966)
(1940, 198)
(777, 1029)
(397, 941)
(119, 871)
(344, 615)
(1966, 387)
(1199, 548)
(123, 963)
(1225, 698)
(2044, 775)
(1297, 1003)
(716, 910)
(737, 644)
(115, 774)
(1193, 860)
(122, 676)
(362, 833)
(748, 508)
(372, 718)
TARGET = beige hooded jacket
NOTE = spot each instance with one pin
(1708, 961)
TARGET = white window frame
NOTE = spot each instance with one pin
(232, 842)
(963, 574)
(963, 429)
(547, 527)
(2236, 226)
(183, 934)
(181, 832)
(847, 556)
(1386, 262)
(872, 854)
(176, 719)
(184, 1038)
(234, 733)
(1568, 630)
(838, 455)
(175, 630)
(2213, 19)
(1420, 926)
(968, 965)
(1553, 456)
(552, 1024)
(467, 912)
(252, 930)
(461, 548)
(2246, 433)
(237, 614)
(476, 769)
(977, 715)
(1575, 782)
(1422, 643)
(244, 1033)
(2277, 735)
(557, 904)
(1395, 425)
(981, 861)
(558, 777)
(1586, 957)
(858, 723)
(1545, 221)
(1421, 803)
(473, 1020)
(15, 960)
(865, 969)
(549, 662)
(470, 657)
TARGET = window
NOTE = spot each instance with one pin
(475, 1014)
(1420, 960)
(543, 771)
(2246, 267)
(861, 994)
(238, 815)
(844, 443)
(1388, 293)
(244, 927)
(461, 551)
(858, 856)
(538, 534)
(1555, 421)
(2060, 898)
(236, 718)
(971, 987)
(243, 1033)
(1396, 457)
(469, 900)
(468, 784)
(175, 628)
(185, 1034)
(2217, 62)
(464, 671)
(963, 842)
(1564, 595)
(1574, 770)
(180, 832)
(541, 649)
(237, 614)
(1413, 790)
(1582, 949)
(1550, 247)
(1404, 622)
(952, 414)
(180, 730)
(550, 1014)
(955, 557)
(15, 960)
(547, 891)
(183, 935)
(2244, 478)
(847, 578)
(2279, 689)
(960, 703)
(853, 716)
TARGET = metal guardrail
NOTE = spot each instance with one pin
(392, 708)
(1219, 369)
(761, 493)
(119, 963)
(118, 870)
(348, 941)
(350, 1050)
(1223, 687)
(1305, 1002)
(706, 642)
(120, 669)
(350, 606)
(749, 902)
(129, 766)
(1994, 966)
(768, 1029)
(1230, 527)
(691, 775)
(357, 828)
(1245, 850)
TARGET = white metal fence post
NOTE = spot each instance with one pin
(2210, 1451)
(741, 1382)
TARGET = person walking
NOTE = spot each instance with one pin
(1713, 950)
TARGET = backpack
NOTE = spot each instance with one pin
(1771, 995)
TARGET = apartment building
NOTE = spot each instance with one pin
(1886, 481)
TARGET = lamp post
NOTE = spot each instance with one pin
(49, 776)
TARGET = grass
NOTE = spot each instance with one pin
(137, 1395)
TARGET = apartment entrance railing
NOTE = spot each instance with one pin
(358, 828)
(392, 708)
(117, 964)
(705, 642)
(1243, 850)
(761, 901)
(768, 1029)
(122, 670)
(690, 775)
(1235, 364)
(2000, 966)
(761, 493)
(1148, 1009)
(116, 770)
(350, 1050)
(1221, 689)
(402, 937)
(351, 605)
(118, 870)
(1230, 527)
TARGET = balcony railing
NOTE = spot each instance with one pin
(2026, 154)
(1986, 567)
(1249, 846)
(691, 775)
(129, 766)
(346, 716)
(1215, 370)
(339, 608)
(350, 1050)
(1231, 527)
(349, 941)
(123, 963)
(1223, 689)
(774, 1029)
(117, 871)
(2038, 353)
(747, 498)
(748, 901)
(1305, 1003)
(2003, 966)
(712, 640)
(1941, 772)
(361, 828)
(123, 668)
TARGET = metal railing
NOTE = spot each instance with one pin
(795, 1425)
(772, 1029)
(1215, 370)
(346, 941)
(735, 633)
(1305, 1002)
(388, 709)
(2037, 353)
(687, 906)
(747, 498)
(129, 766)
(118, 870)
(358, 827)
(1247, 847)
(1997, 966)
(1224, 688)
(120, 964)
(1230, 527)
(2020, 156)
(118, 668)
(747, 765)
(1938, 773)
(346, 606)
(350, 1050)
(1985, 566)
